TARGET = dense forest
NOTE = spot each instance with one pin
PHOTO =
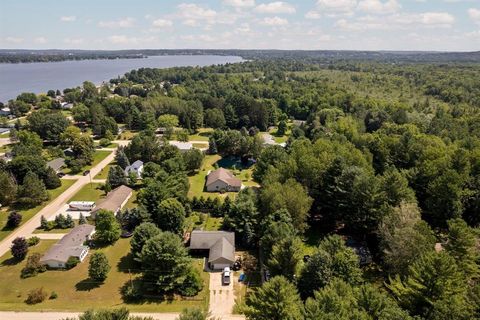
(386, 154)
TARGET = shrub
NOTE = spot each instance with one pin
(72, 262)
(192, 285)
(53, 295)
(98, 267)
(33, 266)
(104, 142)
(36, 296)
(19, 248)
(14, 220)
(33, 241)
(131, 292)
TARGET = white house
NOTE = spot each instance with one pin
(5, 111)
(182, 146)
(136, 167)
(71, 245)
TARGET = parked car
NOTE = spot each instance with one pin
(226, 276)
(60, 174)
(86, 172)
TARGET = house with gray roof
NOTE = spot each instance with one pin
(56, 164)
(114, 201)
(222, 180)
(220, 246)
(71, 245)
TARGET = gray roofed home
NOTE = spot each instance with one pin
(220, 244)
(136, 167)
(114, 201)
(56, 164)
(222, 180)
(71, 245)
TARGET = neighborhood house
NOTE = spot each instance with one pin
(136, 167)
(56, 164)
(114, 201)
(182, 146)
(222, 180)
(71, 245)
(220, 244)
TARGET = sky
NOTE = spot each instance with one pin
(429, 25)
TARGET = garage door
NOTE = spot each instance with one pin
(220, 266)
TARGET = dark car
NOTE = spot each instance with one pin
(86, 173)
(60, 174)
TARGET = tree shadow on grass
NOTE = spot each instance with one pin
(87, 285)
(128, 265)
(11, 261)
(136, 292)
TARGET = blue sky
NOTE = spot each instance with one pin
(450, 25)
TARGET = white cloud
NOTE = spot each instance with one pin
(193, 11)
(437, 18)
(313, 15)
(121, 23)
(337, 6)
(239, 3)
(474, 14)
(379, 7)
(40, 40)
(275, 21)
(13, 40)
(159, 23)
(73, 41)
(68, 18)
(275, 8)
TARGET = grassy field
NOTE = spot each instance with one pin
(27, 214)
(201, 135)
(5, 148)
(208, 223)
(76, 292)
(104, 172)
(127, 135)
(90, 192)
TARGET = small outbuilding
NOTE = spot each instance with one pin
(220, 246)
(182, 146)
(222, 180)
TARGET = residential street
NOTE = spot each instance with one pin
(54, 206)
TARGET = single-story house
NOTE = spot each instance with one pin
(114, 201)
(136, 167)
(5, 111)
(56, 164)
(182, 146)
(67, 105)
(81, 205)
(222, 179)
(220, 246)
(71, 245)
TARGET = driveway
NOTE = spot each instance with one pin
(222, 298)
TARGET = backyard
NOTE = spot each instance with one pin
(197, 181)
(27, 214)
(77, 293)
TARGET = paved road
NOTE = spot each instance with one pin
(10, 315)
(54, 206)
(4, 141)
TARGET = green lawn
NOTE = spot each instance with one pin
(27, 214)
(78, 293)
(197, 181)
(104, 172)
(201, 135)
(98, 156)
(90, 192)
(5, 148)
(209, 223)
(127, 135)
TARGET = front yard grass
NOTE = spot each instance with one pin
(89, 192)
(76, 292)
(103, 174)
(202, 135)
(98, 156)
(27, 214)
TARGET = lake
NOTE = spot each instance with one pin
(42, 76)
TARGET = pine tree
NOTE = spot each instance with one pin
(43, 223)
(286, 257)
(116, 177)
(277, 299)
(98, 267)
(81, 219)
(32, 192)
(69, 223)
(121, 158)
